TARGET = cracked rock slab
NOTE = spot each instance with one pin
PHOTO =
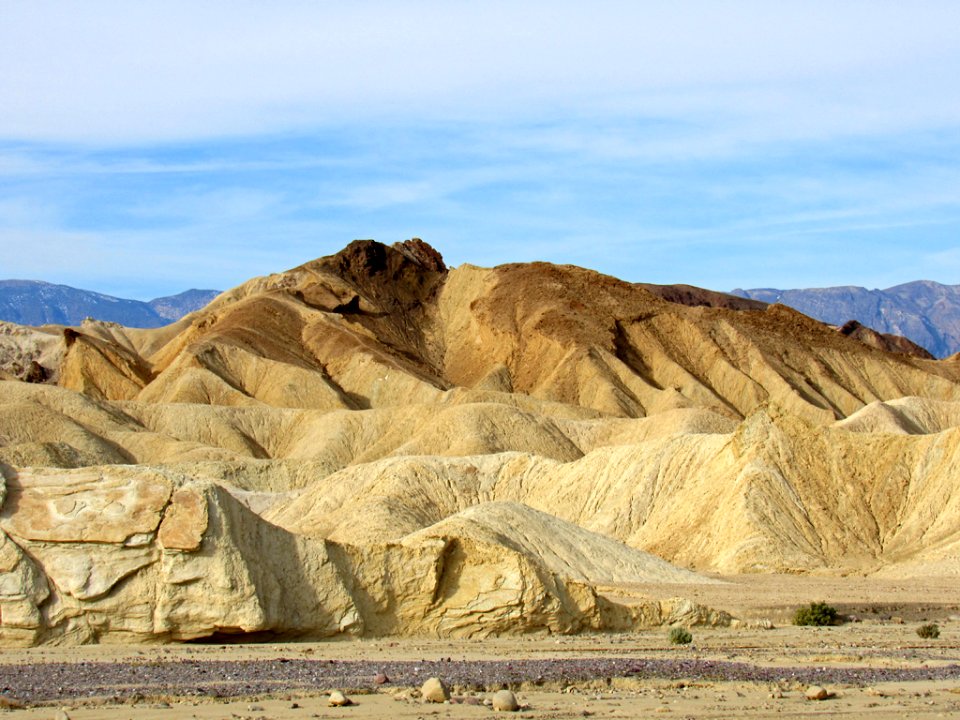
(84, 505)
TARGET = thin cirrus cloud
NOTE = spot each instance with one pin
(126, 72)
(720, 144)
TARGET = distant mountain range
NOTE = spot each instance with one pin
(31, 302)
(923, 311)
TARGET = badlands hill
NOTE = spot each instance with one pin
(372, 443)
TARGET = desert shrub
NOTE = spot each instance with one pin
(818, 613)
(680, 636)
(929, 631)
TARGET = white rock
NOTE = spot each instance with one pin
(504, 701)
(435, 690)
(338, 699)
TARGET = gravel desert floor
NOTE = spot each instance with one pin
(875, 665)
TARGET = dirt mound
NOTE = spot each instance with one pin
(908, 415)
(565, 549)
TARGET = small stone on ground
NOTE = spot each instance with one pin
(338, 699)
(505, 701)
(435, 690)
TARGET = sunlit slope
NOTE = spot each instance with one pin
(376, 326)
(453, 452)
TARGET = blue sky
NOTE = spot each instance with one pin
(150, 147)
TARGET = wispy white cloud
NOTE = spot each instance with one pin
(41, 160)
(722, 144)
(214, 207)
(127, 72)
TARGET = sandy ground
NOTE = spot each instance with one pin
(884, 639)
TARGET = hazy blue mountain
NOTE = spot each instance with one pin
(923, 311)
(31, 302)
(174, 307)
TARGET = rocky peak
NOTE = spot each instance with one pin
(422, 253)
(366, 258)
(403, 275)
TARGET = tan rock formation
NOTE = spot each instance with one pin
(85, 505)
(776, 495)
(184, 522)
(883, 341)
(121, 579)
(564, 549)
(148, 575)
(101, 369)
(21, 346)
(372, 443)
(375, 327)
(23, 588)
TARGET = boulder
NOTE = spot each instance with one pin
(435, 690)
(816, 692)
(504, 701)
(144, 578)
(338, 699)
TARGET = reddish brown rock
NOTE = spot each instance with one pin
(184, 522)
(84, 505)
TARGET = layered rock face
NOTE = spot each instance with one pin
(373, 443)
(139, 554)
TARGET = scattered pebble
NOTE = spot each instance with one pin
(53, 682)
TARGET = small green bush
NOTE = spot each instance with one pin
(680, 636)
(929, 631)
(818, 613)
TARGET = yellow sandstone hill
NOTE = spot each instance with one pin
(372, 443)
